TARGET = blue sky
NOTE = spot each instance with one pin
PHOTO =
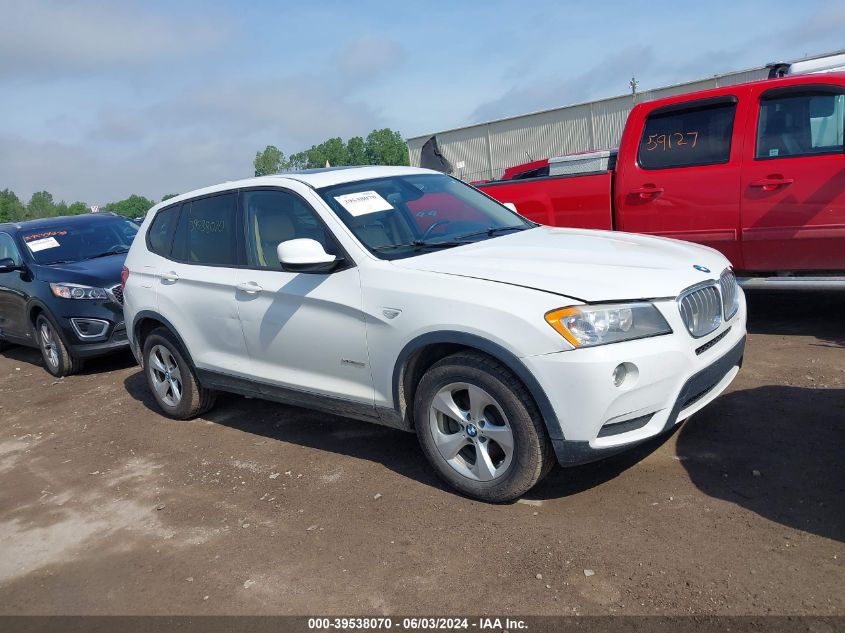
(102, 99)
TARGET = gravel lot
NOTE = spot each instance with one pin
(106, 507)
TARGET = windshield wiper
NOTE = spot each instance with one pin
(493, 230)
(419, 245)
(119, 251)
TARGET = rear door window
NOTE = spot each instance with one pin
(800, 124)
(687, 137)
(207, 232)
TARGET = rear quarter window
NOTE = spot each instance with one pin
(162, 228)
(686, 138)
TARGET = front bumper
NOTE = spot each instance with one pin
(676, 376)
(112, 339)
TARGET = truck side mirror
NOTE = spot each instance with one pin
(305, 255)
(7, 265)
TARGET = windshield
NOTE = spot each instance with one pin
(402, 216)
(80, 240)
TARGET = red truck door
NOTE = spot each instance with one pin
(680, 176)
(793, 179)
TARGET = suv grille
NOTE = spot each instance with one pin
(701, 309)
(729, 293)
(117, 293)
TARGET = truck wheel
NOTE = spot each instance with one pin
(172, 380)
(57, 359)
(480, 429)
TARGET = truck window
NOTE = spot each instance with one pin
(802, 124)
(686, 138)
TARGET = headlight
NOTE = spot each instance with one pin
(587, 326)
(76, 291)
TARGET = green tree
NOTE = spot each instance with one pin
(386, 147)
(269, 161)
(381, 147)
(332, 151)
(168, 196)
(299, 160)
(356, 151)
(132, 207)
(40, 205)
(77, 208)
(11, 208)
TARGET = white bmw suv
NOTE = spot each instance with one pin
(405, 297)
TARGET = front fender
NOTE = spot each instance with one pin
(504, 356)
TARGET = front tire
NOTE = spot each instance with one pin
(480, 429)
(57, 359)
(171, 378)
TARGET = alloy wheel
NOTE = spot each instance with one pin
(48, 345)
(165, 374)
(471, 431)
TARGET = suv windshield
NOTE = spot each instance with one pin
(402, 216)
(77, 240)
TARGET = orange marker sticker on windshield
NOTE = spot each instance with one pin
(363, 202)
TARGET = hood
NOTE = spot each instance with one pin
(581, 264)
(102, 272)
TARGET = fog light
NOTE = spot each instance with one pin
(89, 328)
(620, 374)
(625, 375)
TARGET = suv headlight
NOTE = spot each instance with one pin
(77, 291)
(588, 326)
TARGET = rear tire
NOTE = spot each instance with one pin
(57, 359)
(171, 378)
(4, 346)
(480, 429)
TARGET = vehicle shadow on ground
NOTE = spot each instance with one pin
(397, 450)
(819, 314)
(98, 365)
(774, 450)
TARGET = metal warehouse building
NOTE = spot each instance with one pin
(482, 151)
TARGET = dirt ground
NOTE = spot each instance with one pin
(106, 507)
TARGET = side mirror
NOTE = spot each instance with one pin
(305, 256)
(7, 265)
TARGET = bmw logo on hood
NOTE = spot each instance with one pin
(703, 269)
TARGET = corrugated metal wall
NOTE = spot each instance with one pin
(488, 148)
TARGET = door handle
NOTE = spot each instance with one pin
(771, 183)
(648, 192)
(249, 287)
(169, 276)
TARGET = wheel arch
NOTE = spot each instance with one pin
(423, 351)
(145, 322)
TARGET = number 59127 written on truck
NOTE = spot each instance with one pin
(756, 171)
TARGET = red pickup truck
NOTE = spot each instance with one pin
(754, 170)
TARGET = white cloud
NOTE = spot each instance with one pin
(192, 139)
(369, 56)
(49, 38)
